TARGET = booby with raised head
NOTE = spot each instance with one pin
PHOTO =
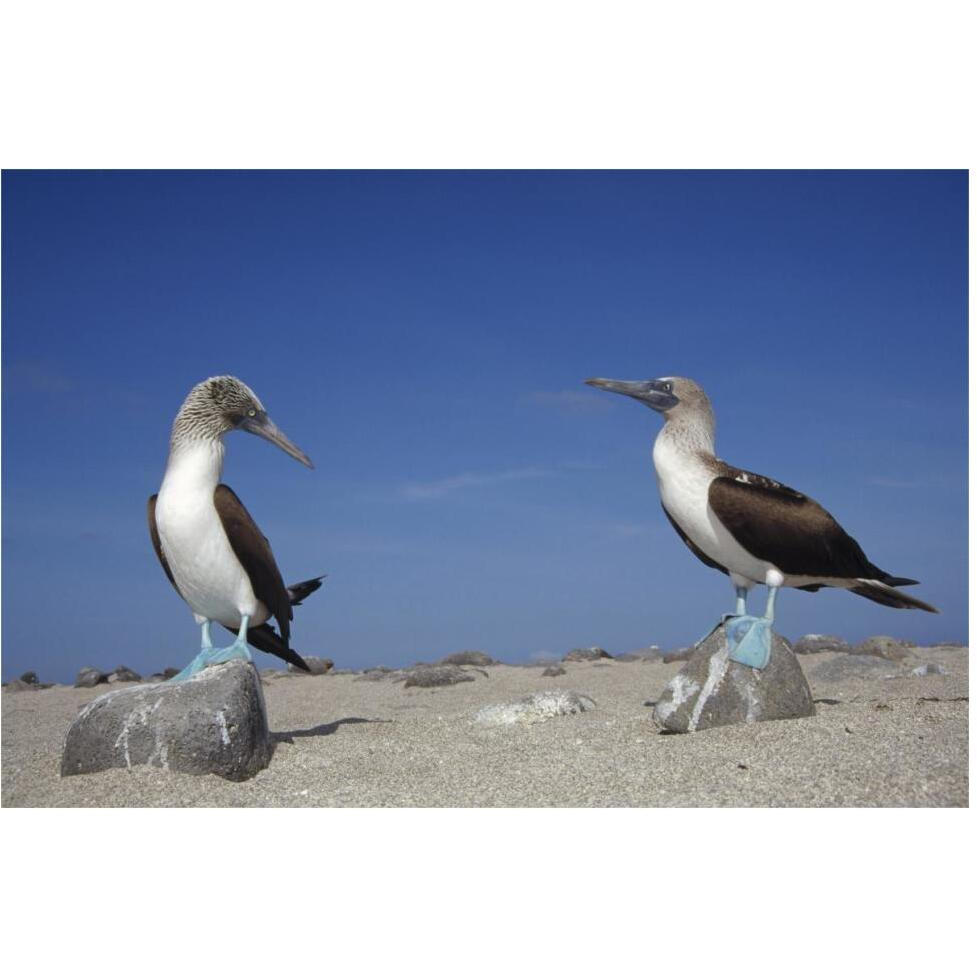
(755, 529)
(208, 544)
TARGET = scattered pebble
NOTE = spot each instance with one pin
(468, 658)
(882, 646)
(432, 676)
(89, 677)
(585, 654)
(534, 708)
(813, 644)
(929, 669)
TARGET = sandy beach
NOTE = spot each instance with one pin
(344, 740)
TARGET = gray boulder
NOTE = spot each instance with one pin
(89, 677)
(650, 654)
(551, 671)
(813, 644)
(213, 723)
(468, 658)
(123, 674)
(855, 666)
(713, 691)
(930, 668)
(534, 708)
(433, 676)
(586, 655)
(317, 666)
(29, 678)
(882, 646)
(19, 685)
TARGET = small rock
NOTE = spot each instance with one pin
(169, 672)
(650, 654)
(929, 669)
(432, 676)
(89, 677)
(29, 678)
(317, 666)
(855, 666)
(468, 658)
(713, 691)
(123, 674)
(678, 655)
(19, 685)
(553, 670)
(813, 644)
(213, 723)
(378, 674)
(585, 655)
(882, 646)
(534, 708)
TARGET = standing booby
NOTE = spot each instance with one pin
(756, 530)
(208, 544)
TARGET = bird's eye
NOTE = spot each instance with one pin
(252, 412)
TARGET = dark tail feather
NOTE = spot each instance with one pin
(265, 638)
(297, 592)
(882, 593)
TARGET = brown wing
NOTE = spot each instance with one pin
(786, 528)
(154, 536)
(254, 552)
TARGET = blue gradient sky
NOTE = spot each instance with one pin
(424, 337)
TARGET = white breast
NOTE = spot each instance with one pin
(683, 481)
(207, 573)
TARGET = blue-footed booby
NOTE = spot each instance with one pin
(755, 529)
(208, 544)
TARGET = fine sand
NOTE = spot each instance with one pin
(345, 741)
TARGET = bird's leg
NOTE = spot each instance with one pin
(748, 638)
(741, 591)
(203, 658)
(209, 655)
(239, 649)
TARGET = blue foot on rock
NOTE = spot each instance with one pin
(214, 656)
(748, 640)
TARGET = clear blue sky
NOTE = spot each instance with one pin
(424, 337)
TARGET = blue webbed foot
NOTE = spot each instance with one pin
(748, 639)
(214, 656)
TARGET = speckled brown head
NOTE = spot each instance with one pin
(218, 405)
(672, 396)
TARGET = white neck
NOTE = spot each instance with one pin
(695, 434)
(194, 465)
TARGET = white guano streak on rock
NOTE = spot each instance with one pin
(753, 703)
(140, 714)
(718, 663)
(222, 722)
(683, 688)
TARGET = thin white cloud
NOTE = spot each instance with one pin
(423, 491)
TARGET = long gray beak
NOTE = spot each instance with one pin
(262, 425)
(655, 394)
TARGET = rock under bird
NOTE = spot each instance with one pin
(755, 529)
(208, 544)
